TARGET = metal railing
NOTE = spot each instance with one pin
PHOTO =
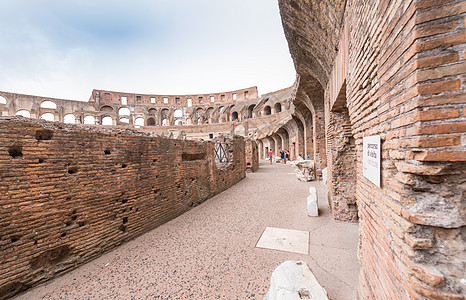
(222, 153)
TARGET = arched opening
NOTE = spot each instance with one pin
(152, 111)
(267, 110)
(250, 109)
(106, 108)
(139, 122)
(178, 113)
(48, 104)
(2, 100)
(107, 121)
(124, 111)
(48, 117)
(164, 122)
(69, 119)
(278, 107)
(23, 113)
(150, 122)
(89, 120)
(178, 122)
(234, 116)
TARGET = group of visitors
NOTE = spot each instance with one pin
(284, 155)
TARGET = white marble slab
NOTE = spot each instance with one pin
(289, 240)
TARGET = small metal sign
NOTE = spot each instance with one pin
(371, 158)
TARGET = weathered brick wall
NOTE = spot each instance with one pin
(69, 193)
(252, 156)
(405, 83)
(401, 65)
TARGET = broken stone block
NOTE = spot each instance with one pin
(305, 170)
(294, 280)
(312, 207)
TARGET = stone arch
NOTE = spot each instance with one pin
(106, 108)
(267, 110)
(152, 111)
(124, 111)
(24, 113)
(250, 111)
(150, 121)
(2, 100)
(234, 116)
(178, 113)
(277, 107)
(90, 120)
(48, 104)
(48, 117)
(69, 119)
(107, 121)
(139, 122)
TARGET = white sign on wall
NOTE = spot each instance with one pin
(371, 158)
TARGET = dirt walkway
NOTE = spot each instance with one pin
(210, 253)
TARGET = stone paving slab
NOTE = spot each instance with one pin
(289, 240)
(209, 252)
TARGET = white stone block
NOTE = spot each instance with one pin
(294, 280)
(312, 207)
(324, 176)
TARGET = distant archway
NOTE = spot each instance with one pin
(48, 117)
(89, 120)
(2, 100)
(139, 122)
(48, 104)
(234, 116)
(69, 119)
(150, 122)
(278, 107)
(124, 111)
(107, 121)
(267, 110)
(23, 113)
(106, 108)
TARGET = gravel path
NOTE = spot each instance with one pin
(209, 252)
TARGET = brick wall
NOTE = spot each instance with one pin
(69, 193)
(405, 83)
(252, 156)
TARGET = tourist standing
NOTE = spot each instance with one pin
(287, 155)
(270, 156)
(282, 156)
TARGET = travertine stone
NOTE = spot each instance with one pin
(294, 280)
(305, 170)
(312, 203)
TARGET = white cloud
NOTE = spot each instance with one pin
(66, 48)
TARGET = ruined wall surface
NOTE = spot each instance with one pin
(252, 156)
(69, 193)
(403, 63)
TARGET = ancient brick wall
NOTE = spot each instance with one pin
(405, 83)
(69, 193)
(401, 66)
(252, 156)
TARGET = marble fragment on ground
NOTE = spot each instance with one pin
(312, 203)
(305, 170)
(294, 280)
(288, 240)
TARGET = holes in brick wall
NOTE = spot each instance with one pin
(41, 160)
(193, 156)
(50, 257)
(122, 228)
(63, 234)
(125, 220)
(137, 209)
(72, 170)
(124, 165)
(107, 152)
(44, 134)
(14, 239)
(123, 201)
(16, 151)
(81, 223)
(154, 160)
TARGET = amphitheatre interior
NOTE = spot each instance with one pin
(78, 178)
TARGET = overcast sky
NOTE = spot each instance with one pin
(66, 48)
